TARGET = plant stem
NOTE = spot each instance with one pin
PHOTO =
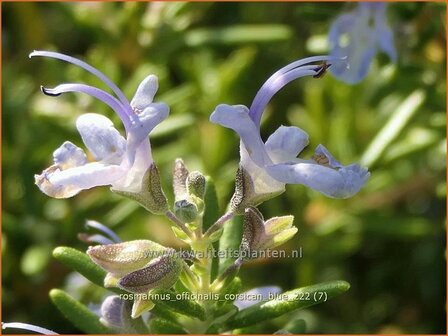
(172, 217)
(219, 223)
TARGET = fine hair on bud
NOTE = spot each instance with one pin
(196, 184)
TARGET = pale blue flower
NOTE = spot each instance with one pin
(256, 295)
(28, 327)
(119, 162)
(274, 163)
(359, 35)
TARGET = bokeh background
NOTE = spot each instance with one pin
(388, 241)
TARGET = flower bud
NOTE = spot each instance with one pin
(185, 211)
(196, 184)
(115, 314)
(122, 258)
(180, 175)
(162, 273)
(151, 196)
(259, 235)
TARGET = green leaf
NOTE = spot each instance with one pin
(35, 259)
(77, 313)
(172, 125)
(216, 235)
(295, 326)
(416, 140)
(81, 263)
(161, 326)
(230, 241)
(165, 313)
(182, 306)
(238, 34)
(393, 128)
(211, 211)
(296, 299)
(233, 288)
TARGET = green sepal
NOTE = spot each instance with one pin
(297, 299)
(151, 195)
(77, 313)
(245, 195)
(159, 325)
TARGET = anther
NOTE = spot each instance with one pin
(321, 70)
(48, 92)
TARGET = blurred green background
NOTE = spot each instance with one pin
(388, 241)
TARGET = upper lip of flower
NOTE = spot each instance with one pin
(278, 156)
(111, 151)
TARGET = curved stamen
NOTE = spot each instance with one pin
(105, 97)
(256, 109)
(30, 327)
(90, 69)
(104, 229)
(94, 239)
(265, 94)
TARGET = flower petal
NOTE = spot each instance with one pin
(147, 119)
(51, 189)
(278, 224)
(101, 138)
(112, 312)
(286, 143)
(145, 93)
(86, 177)
(68, 155)
(263, 292)
(384, 35)
(237, 118)
(350, 35)
(337, 183)
(132, 180)
(262, 182)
